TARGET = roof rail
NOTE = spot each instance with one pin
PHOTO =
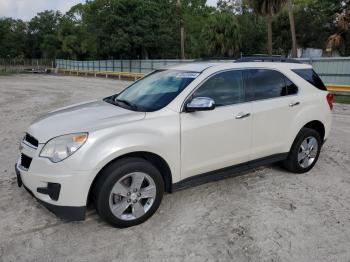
(266, 58)
(205, 59)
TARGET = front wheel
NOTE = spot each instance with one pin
(304, 152)
(128, 192)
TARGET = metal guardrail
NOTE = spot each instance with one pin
(106, 74)
(338, 88)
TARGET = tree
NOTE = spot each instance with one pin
(338, 40)
(253, 33)
(220, 36)
(13, 38)
(231, 6)
(42, 34)
(73, 36)
(267, 8)
(292, 27)
(182, 31)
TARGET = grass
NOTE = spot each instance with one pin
(6, 73)
(342, 99)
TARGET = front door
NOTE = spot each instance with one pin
(219, 138)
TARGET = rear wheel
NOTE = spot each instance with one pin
(304, 152)
(128, 192)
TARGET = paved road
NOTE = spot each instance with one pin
(265, 215)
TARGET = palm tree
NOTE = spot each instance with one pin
(337, 40)
(221, 36)
(292, 27)
(268, 8)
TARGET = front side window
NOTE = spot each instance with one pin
(225, 88)
(264, 84)
(154, 91)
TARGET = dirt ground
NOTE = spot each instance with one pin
(264, 215)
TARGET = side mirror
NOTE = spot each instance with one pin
(200, 104)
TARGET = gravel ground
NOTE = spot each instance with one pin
(264, 215)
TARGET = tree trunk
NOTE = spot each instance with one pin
(182, 32)
(269, 34)
(182, 42)
(292, 28)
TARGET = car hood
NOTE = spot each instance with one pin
(84, 117)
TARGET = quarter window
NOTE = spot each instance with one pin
(225, 88)
(264, 84)
(311, 76)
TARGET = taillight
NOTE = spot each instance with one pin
(330, 101)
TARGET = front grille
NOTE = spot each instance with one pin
(25, 161)
(31, 140)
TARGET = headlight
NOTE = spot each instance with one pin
(61, 147)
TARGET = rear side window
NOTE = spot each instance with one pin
(264, 84)
(225, 88)
(310, 76)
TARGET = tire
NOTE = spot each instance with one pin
(294, 162)
(124, 177)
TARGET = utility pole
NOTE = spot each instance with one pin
(182, 31)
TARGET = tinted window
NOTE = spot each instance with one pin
(292, 89)
(225, 88)
(154, 91)
(264, 84)
(310, 76)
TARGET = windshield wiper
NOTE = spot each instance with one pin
(129, 104)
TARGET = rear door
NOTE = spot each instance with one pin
(275, 104)
(219, 138)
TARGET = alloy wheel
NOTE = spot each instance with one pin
(307, 152)
(132, 196)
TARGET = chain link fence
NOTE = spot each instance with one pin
(25, 65)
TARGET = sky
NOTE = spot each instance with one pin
(26, 9)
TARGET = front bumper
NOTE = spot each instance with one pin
(72, 213)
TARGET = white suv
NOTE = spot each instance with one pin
(176, 127)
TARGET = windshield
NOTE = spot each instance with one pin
(154, 91)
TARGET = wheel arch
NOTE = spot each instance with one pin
(318, 126)
(153, 158)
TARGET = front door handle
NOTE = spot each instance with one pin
(294, 104)
(242, 115)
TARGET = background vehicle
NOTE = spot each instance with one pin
(175, 127)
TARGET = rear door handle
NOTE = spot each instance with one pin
(294, 104)
(242, 115)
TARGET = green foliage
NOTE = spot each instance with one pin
(253, 33)
(342, 99)
(13, 37)
(42, 35)
(132, 29)
(221, 36)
